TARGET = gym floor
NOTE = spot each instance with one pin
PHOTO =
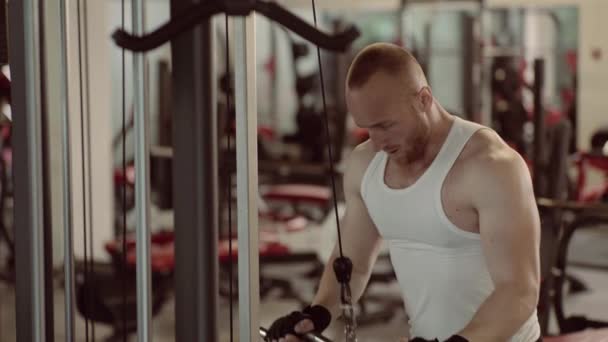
(587, 247)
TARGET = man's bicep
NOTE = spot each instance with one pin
(360, 238)
(510, 243)
(510, 228)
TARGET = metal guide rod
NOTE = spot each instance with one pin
(141, 181)
(68, 247)
(24, 49)
(539, 129)
(247, 177)
(485, 25)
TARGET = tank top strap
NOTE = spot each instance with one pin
(371, 173)
(458, 137)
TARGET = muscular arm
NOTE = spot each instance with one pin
(510, 234)
(360, 240)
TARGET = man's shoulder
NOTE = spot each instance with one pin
(486, 146)
(357, 163)
(496, 175)
(490, 160)
(487, 154)
(362, 154)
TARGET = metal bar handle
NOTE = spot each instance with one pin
(195, 14)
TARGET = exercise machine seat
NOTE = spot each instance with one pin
(360, 134)
(162, 251)
(591, 335)
(127, 178)
(162, 255)
(319, 195)
(269, 246)
(290, 223)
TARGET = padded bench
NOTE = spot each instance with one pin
(591, 335)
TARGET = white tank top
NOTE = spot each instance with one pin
(440, 267)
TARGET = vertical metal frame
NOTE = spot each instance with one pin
(195, 181)
(24, 55)
(470, 66)
(485, 74)
(142, 180)
(538, 154)
(68, 246)
(247, 177)
(47, 221)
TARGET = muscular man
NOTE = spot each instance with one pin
(452, 200)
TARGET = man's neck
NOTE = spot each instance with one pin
(441, 122)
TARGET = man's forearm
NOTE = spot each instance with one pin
(501, 315)
(328, 293)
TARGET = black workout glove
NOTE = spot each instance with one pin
(454, 338)
(319, 315)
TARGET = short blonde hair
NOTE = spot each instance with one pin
(382, 57)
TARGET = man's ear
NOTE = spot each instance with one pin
(426, 98)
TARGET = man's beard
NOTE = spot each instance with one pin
(417, 148)
(415, 153)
